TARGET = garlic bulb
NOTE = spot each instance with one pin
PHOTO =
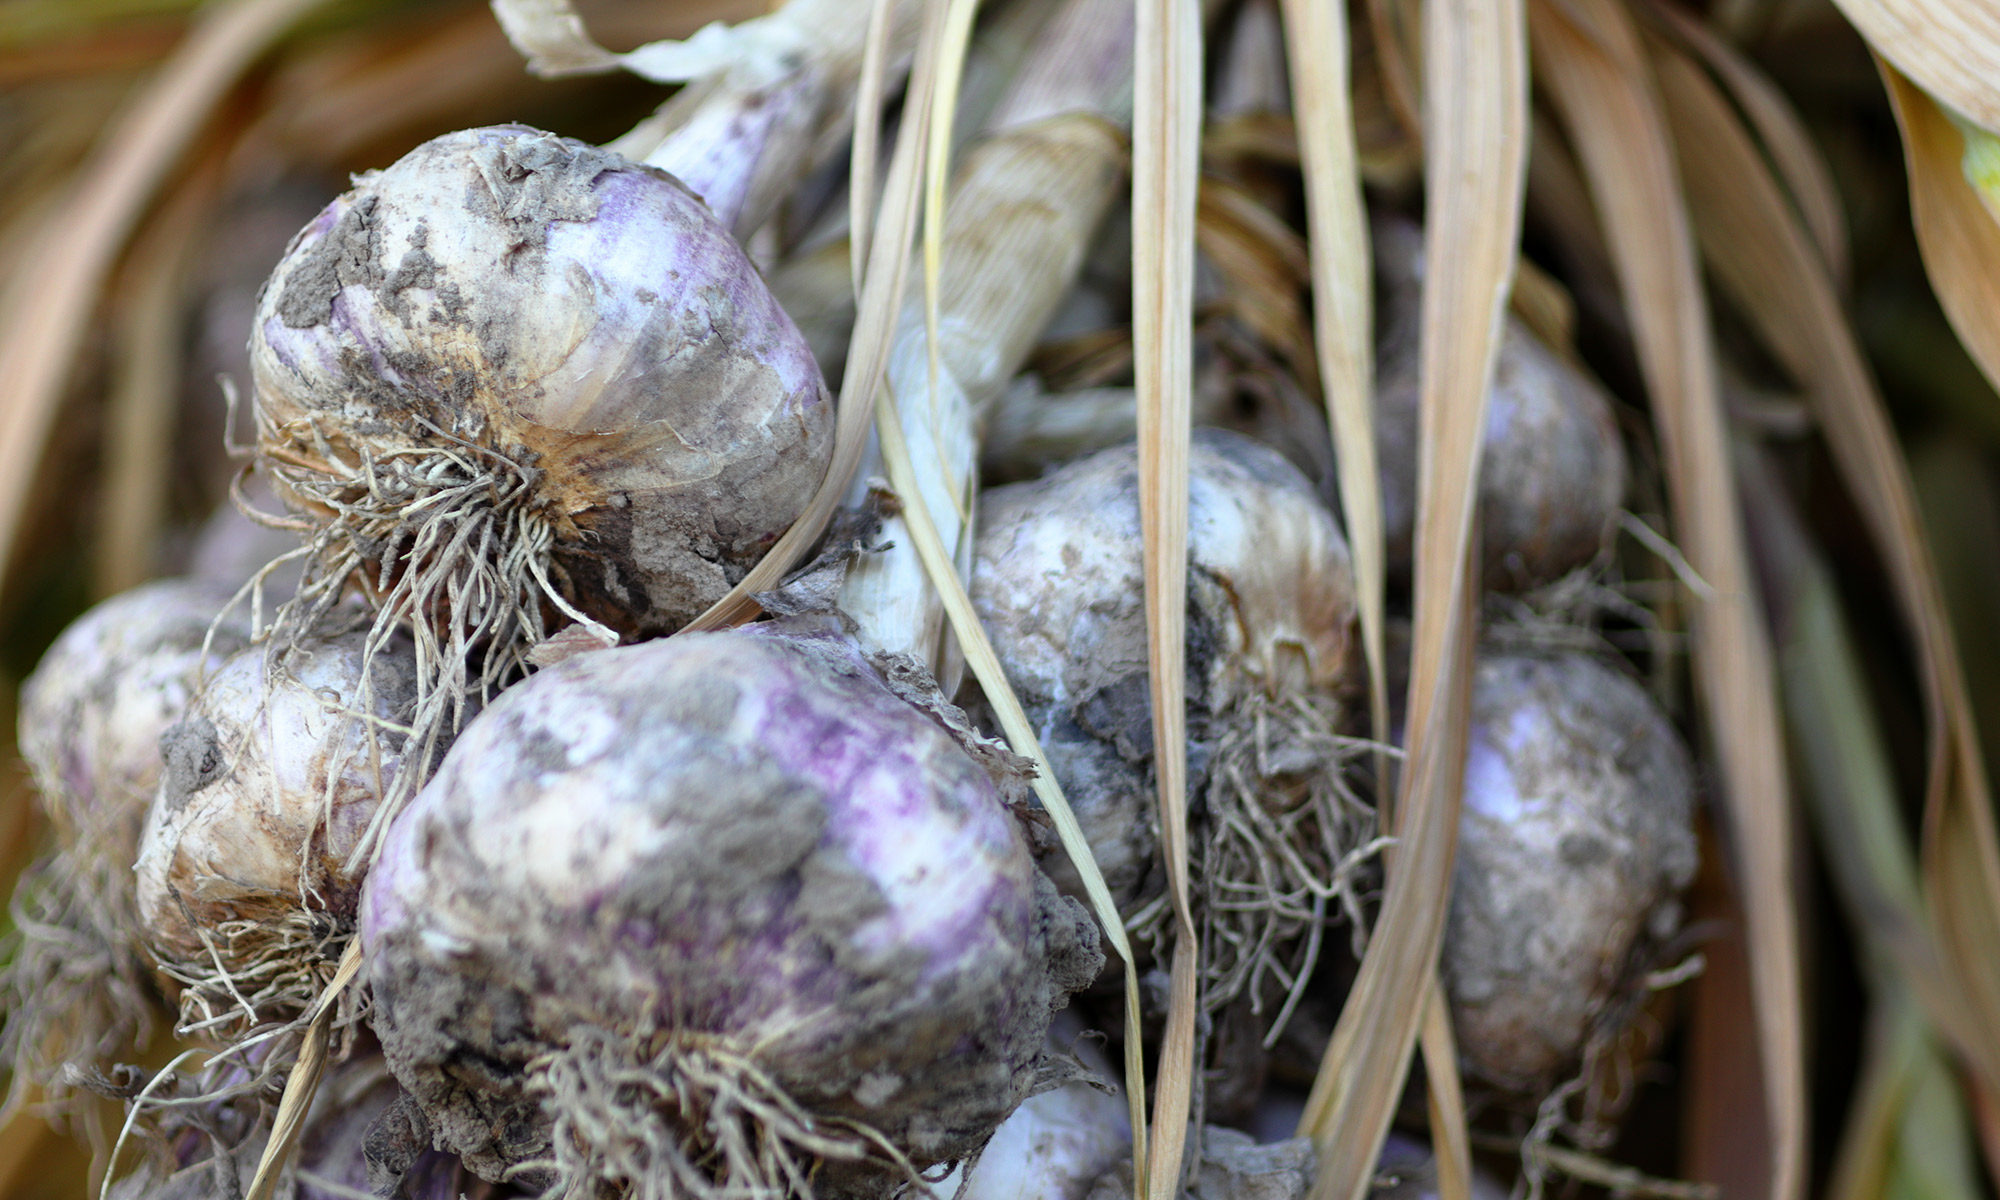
(77, 986)
(1552, 468)
(1576, 840)
(519, 382)
(270, 781)
(93, 711)
(576, 332)
(1058, 582)
(703, 915)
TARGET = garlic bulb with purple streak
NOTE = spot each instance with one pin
(706, 914)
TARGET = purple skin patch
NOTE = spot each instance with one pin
(923, 847)
(919, 846)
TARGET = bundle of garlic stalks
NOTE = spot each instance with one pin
(1049, 597)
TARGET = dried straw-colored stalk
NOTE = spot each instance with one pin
(886, 593)
(1956, 231)
(1343, 336)
(303, 1084)
(1343, 305)
(1763, 258)
(1949, 48)
(1166, 166)
(1476, 91)
(1029, 198)
(1588, 54)
(866, 151)
(1806, 176)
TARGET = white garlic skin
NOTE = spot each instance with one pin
(93, 710)
(267, 789)
(1058, 1142)
(1059, 584)
(553, 303)
(1576, 839)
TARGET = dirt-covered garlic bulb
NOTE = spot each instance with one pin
(1058, 582)
(75, 988)
(697, 916)
(1576, 841)
(270, 781)
(518, 380)
(1552, 466)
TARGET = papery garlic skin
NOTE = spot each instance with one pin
(1058, 1142)
(94, 709)
(270, 782)
(512, 295)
